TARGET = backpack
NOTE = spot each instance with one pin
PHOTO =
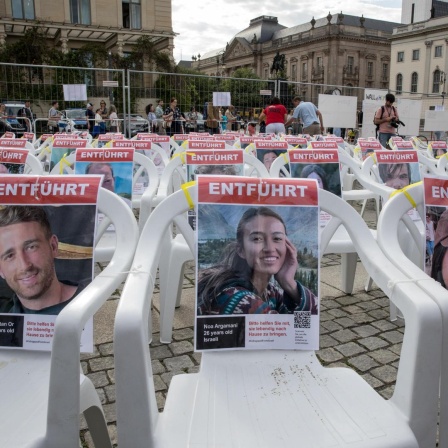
(377, 126)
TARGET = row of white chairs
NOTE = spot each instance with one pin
(228, 403)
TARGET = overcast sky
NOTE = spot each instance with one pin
(209, 24)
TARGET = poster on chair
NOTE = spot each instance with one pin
(436, 228)
(319, 164)
(257, 263)
(63, 147)
(229, 162)
(115, 164)
(12, 161)
(47, 228)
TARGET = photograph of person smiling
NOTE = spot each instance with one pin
(28, 249)
(256, 274)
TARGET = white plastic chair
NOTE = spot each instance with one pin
(341, 242)
(44, 392)
(142, 202)
(33, 165)
(347, 180)
(176, 252)
(275, 398)
(394, 226)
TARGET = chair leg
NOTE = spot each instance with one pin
(393, 311)
(369, 284)
(363, 209)
(179, 287)
(170, 295)
(93, 413)
(348, 270)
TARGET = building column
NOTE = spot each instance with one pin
(428, 75)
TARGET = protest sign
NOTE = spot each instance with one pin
(257, 264)
(46, 254)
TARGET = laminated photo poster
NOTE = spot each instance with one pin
(398, 169)
(46, 254)
(257, 265)
(319, 164)
(229, 162)
(436, 228)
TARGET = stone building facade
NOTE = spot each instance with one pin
(116, 24)
(420, 61)
(337, 50)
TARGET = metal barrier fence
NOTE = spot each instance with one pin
(43, 84)
(131, 92)
(248, 96)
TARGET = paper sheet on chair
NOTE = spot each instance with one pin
(44, 268)
(277, 251)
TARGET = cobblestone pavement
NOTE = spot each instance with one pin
(355, 332)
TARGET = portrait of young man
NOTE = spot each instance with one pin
(28, 249)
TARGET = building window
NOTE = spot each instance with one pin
(369, 68)
(350, 64)
(80, 11)
(132, 16)
(399, 86)
(349, 90)
(414, 82)
(22, 9)
(294, 72)
(415, 55)
(266, 73)
(304, 69)
(319, 61)
(400, 56)
(436, 82)
(438, 51)
(385, 70)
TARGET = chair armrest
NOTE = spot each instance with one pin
(64, 370)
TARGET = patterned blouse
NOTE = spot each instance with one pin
(240, 297)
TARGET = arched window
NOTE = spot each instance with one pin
(414, 82)
(399, 86)
(436, 81)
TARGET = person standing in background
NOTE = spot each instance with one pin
(113, 117)
(275, 116)
(151, 117)
(384, 117)
(160, 123)
(26, 113)
(231, 118)
(309, 114)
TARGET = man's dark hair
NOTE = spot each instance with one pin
(99, 164)
(15, 214)
(54, 102)
(390, 97)
(297, 98)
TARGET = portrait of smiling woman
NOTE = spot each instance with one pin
(256, 273)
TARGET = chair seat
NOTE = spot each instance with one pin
(106, 247)
(358, 195)
(341, 243)
(25, 383)
(277, 399)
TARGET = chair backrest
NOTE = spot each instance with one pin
(33, 165)
(441, 164)
(133, 371)
(253, 166)
(429, 165)
(64, 392)
(390, 226)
